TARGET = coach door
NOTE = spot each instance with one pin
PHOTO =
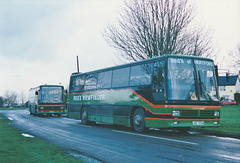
(158, 81)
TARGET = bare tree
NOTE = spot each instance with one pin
(1, 101)
(235, 54)
(22, 97)
(11, 97)
(199, 43)
(148, 28)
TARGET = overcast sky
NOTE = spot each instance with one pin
(40, 39)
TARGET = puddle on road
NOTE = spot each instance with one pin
(27, 135)
(84, 158)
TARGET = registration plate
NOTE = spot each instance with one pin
(198, 123)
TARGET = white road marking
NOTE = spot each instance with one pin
(155, 137)
(76, 121)
(83, 125)
(229, 157)
(72, 120)
(223, 138)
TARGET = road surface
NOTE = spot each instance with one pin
(109, 143)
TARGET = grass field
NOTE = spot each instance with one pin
(16, 148)
(229, 120)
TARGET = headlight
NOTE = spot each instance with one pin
(216, 123)
(216, 114)
(176, 113)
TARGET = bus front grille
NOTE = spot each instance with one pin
(197, 113)
(206, 113)
(189, 113)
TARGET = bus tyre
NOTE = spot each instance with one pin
(36, 112)
(30, 110)
(84, 116)
(138, 120)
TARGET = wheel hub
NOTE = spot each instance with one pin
(138, 120)
(84, 115)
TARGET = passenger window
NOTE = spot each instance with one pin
(78, 83)
(71, 84)
(140, 74)
(91, 82)
(104, 80)
(120, 77)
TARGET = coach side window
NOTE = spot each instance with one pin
(141, 74)
(71, 84)
(120, 77)
(104, 79)
(77, 83)
(91, 82)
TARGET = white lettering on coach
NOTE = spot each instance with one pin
(99, 97)
(77, 98)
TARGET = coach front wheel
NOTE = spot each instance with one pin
(138, 120)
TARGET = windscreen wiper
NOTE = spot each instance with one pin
(203, 88)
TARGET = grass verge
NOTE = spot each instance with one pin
(12, 108)
(16, 148)
(229, 120)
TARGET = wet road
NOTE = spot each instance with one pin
(109, 143)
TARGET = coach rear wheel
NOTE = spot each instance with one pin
(30, 110)
(84, 116)
(138, 120)
(36, 111)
